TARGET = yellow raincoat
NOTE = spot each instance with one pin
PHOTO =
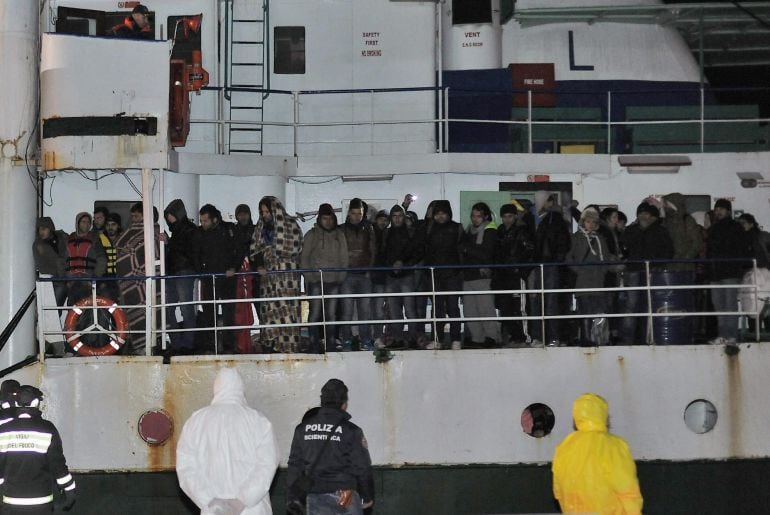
(593, 470)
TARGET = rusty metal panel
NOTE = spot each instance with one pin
(429, 407)
(113, 83)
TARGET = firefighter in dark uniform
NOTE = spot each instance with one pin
(8, 391)
(31, 459)
(341, 474)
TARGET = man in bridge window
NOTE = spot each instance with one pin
(136, 26)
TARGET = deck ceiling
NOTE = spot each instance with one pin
(733, 33)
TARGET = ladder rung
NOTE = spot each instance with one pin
(247, 20)
(244, 129)
(247, 64)
(245, 107)
(244, 86)
(245, 151)
(244, 42)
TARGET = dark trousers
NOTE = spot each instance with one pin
(448, 306)
(554, 305)
(320, 311)
(225, 290)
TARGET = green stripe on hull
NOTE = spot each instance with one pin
(702, 487)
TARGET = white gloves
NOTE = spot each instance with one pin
(226, 506)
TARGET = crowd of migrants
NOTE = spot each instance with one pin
(372, 254)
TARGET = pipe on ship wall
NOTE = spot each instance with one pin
(19, 35)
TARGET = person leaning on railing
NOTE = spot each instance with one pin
(726, 241)
(515, 245)
(478, 249)
(442, 248)
(588, 247)
(645, 239)
(324, 246)
(180, 260)
(276, 248)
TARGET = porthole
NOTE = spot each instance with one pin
(700, 416)
(537, 420)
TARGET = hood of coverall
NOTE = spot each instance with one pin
(228, 388)
(590, 412)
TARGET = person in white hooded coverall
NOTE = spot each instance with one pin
(227, 454)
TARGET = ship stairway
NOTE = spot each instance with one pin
(245, 41)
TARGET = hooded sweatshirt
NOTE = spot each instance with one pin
(593, 470)
(50, 254)
(85, 253)
(323, 248)
(442, 242)
(228, 450)
(400, 244)
(180, 253)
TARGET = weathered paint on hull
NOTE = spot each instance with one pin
(425, 408)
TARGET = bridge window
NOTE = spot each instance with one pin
(90, 22)
(471, 11)
(289, 43)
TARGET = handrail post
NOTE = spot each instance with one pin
(433, 307)
(216, 312)
(542, 303)
(609, 122)
(371, 122)
(529, 121)
(757, 308)
(323, 311)
(649, 338)
(295, 97)
(702, 119)
(446, 119)
(41, 321)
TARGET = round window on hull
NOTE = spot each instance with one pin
(700, 416)
(537, 420)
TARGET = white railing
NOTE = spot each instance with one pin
(296, 113)
(50, 315)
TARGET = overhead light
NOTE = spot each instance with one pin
(653, 163)
(749, 179)
(366, 178)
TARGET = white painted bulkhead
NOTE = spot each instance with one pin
(596, 179)
(658, 52)
(356, 44)
(431, 407)
(471, 46)
(19, 59)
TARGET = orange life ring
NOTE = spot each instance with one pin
(117, 339)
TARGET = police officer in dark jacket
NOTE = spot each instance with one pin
(32, 460)
(180, 261)
(217, 253)
(341, 475)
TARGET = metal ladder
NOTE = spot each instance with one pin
(245, 64)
